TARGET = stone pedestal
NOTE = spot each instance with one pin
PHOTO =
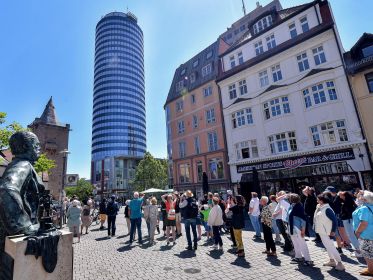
(28, 267)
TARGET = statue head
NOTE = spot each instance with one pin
(26, 145)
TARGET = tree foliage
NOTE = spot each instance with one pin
(83, 190)
(7, 131)
(43, 164)
(150, 173)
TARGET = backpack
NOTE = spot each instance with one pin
(86, 212)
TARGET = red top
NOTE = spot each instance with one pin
(170, 205)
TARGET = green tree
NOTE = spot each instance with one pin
(43, 164)
(83, 190)
(150, 173)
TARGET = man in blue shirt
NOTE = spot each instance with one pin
(135, 216)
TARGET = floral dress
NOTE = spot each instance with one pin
(266, 216)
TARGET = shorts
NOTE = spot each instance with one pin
(103, 217)
(207, 227)
(170, 223)
(198, 221)
(366, 247)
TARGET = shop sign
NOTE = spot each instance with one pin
(294, 162)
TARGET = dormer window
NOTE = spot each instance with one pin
(367, 51)
(209, 55)
(195, 63)
(262, 24)
(232, 61)
(182, 72)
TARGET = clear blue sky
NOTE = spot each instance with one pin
(47, 49)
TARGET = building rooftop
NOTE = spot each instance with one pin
(49, 116)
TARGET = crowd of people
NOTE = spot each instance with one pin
(284, 219)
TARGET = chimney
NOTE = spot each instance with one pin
(257, 4)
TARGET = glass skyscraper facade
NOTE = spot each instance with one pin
(118, 128)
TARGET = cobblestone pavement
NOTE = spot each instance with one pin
(99, 257)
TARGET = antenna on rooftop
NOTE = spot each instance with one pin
(243, 7)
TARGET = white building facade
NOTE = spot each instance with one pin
(287, 104)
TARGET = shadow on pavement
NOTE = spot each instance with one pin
(215, 254)
(241, 262)
(352, 261)
(273, 261)
(187, 254)
(102, 238)
(342, 275)
(124, 248)
(311, 270)
(122, 236)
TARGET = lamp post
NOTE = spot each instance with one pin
(64, 153)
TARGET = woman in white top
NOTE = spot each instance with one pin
(215, 220)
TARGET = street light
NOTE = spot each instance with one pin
(64, 153)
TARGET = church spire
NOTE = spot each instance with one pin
(49, 114)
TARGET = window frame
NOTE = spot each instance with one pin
(369, 77)
(319, 56)
(302, 60)
(259, 49)
(292, 29)
(271, 41)
(305, 23)
(263, 78)
(279, 141)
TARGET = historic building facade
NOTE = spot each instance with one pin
(288, 110)
(119, 125)
(54, 142)
(359, 65)
(195, 132)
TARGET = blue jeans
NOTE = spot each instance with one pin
(191, 223)
(351, 234)
(275, 227)
(136, 223)
(256, 225)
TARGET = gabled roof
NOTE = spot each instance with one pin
(278, 17)
(184, 71)
(365, 37)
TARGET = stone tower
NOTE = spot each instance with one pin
(54, 138)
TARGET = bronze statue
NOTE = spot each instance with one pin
(20, 187)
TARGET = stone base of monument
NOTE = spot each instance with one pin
(28, 267)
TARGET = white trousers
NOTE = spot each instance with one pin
(330, 247)
(300, 246)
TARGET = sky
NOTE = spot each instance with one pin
(47, 49)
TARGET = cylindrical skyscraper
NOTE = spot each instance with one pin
(118, 128)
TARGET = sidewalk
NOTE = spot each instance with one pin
(99, 257)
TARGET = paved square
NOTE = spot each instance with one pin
(98, 257)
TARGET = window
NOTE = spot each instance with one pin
(242, 117)
(179, 85)
(195, 121)
(216, 169)
(197, 146)
(182, 72)
(192, 78)
(207, 91)
(271, 42)
(242, 87)
(303, 62)
(182, 149)
(210, 115)
(293, 30)
(179, 106)
(246, 149)
(304, 24)
(232, 61)
(240, 58)
(276, 107)
(367, 51)
(242, 28)
(319, 55)
(184, 173)
(195, 63)
(276, 73)
(236, 31)
(181, 127)
(263, 78)
(262, 24)
(199, 171)
(369, 79)
(212, 141)
(317, 95)
(259, 48)
(206, 70)
(232, 91)
(229, 36)
(193, 99)
(283, 142)
(329, 133)
(209, 54)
